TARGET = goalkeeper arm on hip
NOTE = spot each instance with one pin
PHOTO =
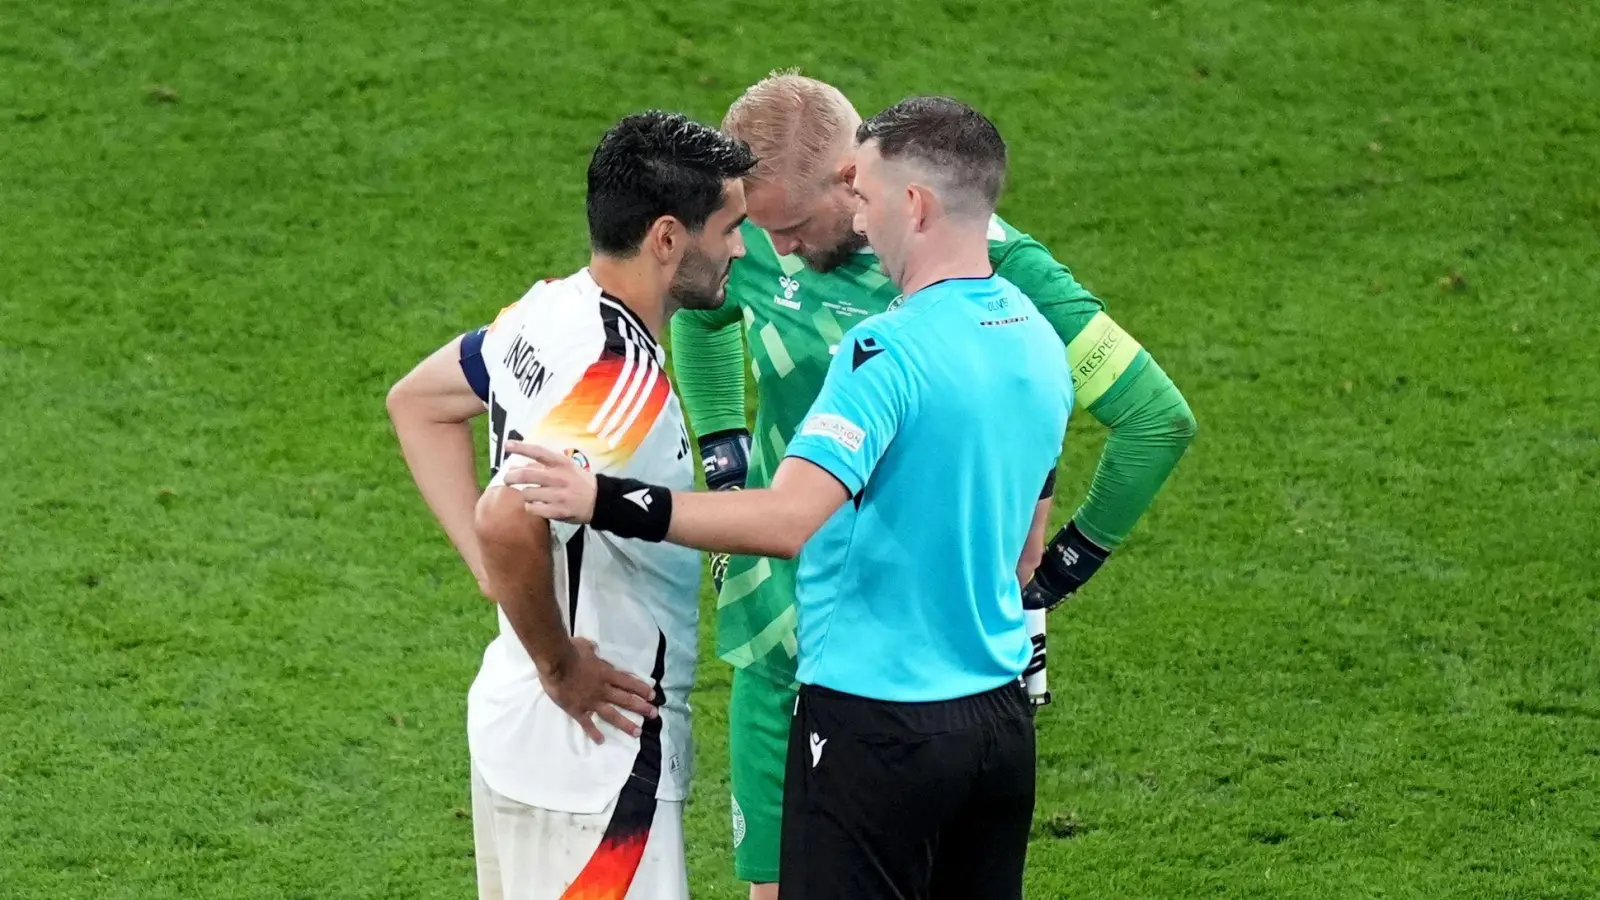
(1118, 382)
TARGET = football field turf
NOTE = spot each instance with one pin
(1351, 652)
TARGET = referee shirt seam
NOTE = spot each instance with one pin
(891, 330)
(827, 631)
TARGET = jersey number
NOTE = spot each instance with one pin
(498, 435)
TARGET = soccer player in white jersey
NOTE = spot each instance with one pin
(578, 722)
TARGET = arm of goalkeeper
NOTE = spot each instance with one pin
(725, 459)
(1069, 561)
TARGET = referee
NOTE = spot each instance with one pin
(911, 487)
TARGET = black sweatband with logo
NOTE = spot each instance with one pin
(629, 508)
(1069, 561)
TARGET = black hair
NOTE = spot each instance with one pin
(656, 164)
(948, 135)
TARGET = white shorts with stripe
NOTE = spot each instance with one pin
(631, 851)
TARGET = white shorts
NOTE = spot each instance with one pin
(631, 851)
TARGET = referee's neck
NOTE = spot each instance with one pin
(947, 252)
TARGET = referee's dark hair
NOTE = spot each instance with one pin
(656, 164)
(952, 142)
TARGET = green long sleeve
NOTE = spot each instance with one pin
(708, 365)
(1114, 378)
(1151, 428)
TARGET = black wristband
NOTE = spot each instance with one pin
(629, 508)
(725, 457)
(1069, 561)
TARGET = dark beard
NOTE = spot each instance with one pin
(833, 258)
(696, 284)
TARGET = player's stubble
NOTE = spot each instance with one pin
(699, 283)
(844, 245)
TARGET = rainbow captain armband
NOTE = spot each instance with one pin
(1099, 355)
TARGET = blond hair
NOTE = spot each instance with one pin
(796, 125)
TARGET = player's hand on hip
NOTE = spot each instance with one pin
(585, 686)
(552, 484)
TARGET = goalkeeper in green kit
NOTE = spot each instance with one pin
(806, 278)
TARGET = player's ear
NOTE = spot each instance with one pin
(666, 239)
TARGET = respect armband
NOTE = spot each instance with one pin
(1099, 355)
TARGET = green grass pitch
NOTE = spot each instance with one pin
(1351, 652)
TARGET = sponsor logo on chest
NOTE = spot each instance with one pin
(847, 309)
(789, 287)
(787, 297)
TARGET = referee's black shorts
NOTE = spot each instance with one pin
(907, 800)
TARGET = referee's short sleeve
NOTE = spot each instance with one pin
(863, 402)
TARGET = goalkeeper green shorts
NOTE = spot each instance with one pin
(759, 711)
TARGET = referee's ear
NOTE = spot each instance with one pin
(923, 205)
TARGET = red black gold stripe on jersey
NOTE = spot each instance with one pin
(611, 870)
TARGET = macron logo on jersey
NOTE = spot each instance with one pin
(866, 349)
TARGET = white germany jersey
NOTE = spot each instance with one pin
(574, 370)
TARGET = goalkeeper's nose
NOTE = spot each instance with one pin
(785, 244)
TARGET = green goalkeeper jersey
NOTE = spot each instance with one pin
(792, 320)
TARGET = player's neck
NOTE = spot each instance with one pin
(642, 289)
(954, 253)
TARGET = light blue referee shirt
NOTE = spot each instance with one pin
(943, 419)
